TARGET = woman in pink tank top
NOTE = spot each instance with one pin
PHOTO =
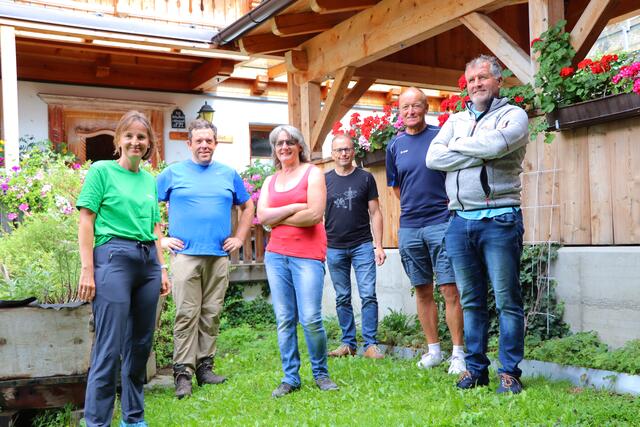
(292, 202)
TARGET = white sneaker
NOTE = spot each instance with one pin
(429, 360)
(457, 365)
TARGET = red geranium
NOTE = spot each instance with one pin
(566, 71)
(597, 68)
(584, 63)
(518, 99)
(442, 118)
(462, 82)
(534, 41)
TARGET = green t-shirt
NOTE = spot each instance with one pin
(125, 202)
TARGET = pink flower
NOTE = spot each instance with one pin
(399, 124)
(11, 216)
(256, 177)
(16, 168)
(76, 166)
(4, 187)
(636, 86)
(24, 207)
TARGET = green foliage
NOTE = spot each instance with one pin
(400, 329)
(585, 349)
(523, 95)
(40, 258)
(163, 337)
(237, 311)
(54, 417)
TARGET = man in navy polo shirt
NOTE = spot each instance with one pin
(423, 221)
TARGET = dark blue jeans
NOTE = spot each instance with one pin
(128, 279)
(339, 262)
(481, 251)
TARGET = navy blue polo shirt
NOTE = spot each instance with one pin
(423, 198)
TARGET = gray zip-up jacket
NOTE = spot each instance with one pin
(483, 158)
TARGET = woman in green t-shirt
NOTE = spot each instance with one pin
(122, 270)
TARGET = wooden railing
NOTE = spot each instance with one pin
(203, 13)
(247, 263)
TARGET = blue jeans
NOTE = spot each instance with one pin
(339, 262)
(296, 292)
(481, 251)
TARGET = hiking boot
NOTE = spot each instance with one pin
(283, 389)
(205, 375)
(429, 360)
(468, 380)
(457, 365)
(182, 381)
(342, 351)
(509, 383)
(325, 384)
(373, 352)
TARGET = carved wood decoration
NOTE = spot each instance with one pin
(72, 120)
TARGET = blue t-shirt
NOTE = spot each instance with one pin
(200, 200)
(423, 198)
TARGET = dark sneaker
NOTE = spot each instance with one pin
(469, 380)
(509, 383)
(182, 381)
(283, 389)
(205, 375)
(342, 351)
(325, 384)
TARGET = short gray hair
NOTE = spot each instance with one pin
(202, 124)
(294, 134)
(494, 65)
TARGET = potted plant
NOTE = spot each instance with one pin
(593, 91)
(371, 134)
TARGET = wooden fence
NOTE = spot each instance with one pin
(247, 263)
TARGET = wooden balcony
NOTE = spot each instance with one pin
(247, 263)
(201, 13)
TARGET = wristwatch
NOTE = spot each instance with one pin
(164, 266)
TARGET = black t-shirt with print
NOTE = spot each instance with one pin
(347, 212)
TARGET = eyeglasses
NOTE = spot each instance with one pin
(289, 142)
(346, 150)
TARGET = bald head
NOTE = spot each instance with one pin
(413, 106)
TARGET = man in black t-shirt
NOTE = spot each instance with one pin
(352, 212)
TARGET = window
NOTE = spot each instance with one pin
(260, 147)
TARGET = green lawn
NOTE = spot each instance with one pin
(390, 392)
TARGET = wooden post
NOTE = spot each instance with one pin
(310, 109)
(294, 101)
(9, 97)
(542, 15)
(56, 124)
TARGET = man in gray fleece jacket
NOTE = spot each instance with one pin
(482, 149)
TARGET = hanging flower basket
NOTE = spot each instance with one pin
(588, 113)
(372, 158)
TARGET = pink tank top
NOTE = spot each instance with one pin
(300, 242)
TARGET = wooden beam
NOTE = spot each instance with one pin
(333, 6)
(277, 70)
(354, 95)
(210, 73)
(103, 65)
(381, 30)
(309, 108)
(329, 113)
(501, 44)
(296, 24)
(269, 43)
(296, 60)
(259, 85)
(10, 129)
(293, 98)
(591, 23)
(542, 15)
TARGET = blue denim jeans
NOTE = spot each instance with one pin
(483, 251)
(296, 292)
(339, 262)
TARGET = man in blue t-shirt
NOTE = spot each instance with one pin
(423, 222)
(352, 212)
(201, 194)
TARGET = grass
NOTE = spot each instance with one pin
(372, 393)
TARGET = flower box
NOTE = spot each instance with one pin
(588, 113)
(372, 158)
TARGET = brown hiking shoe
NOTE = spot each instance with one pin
(205, 375)
(342, 351)
(373, 352)
(182, 381)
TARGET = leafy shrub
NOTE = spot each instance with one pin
(40, 258)
(585, 349)
(163, 337)
(237, 311)
(401, 329)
